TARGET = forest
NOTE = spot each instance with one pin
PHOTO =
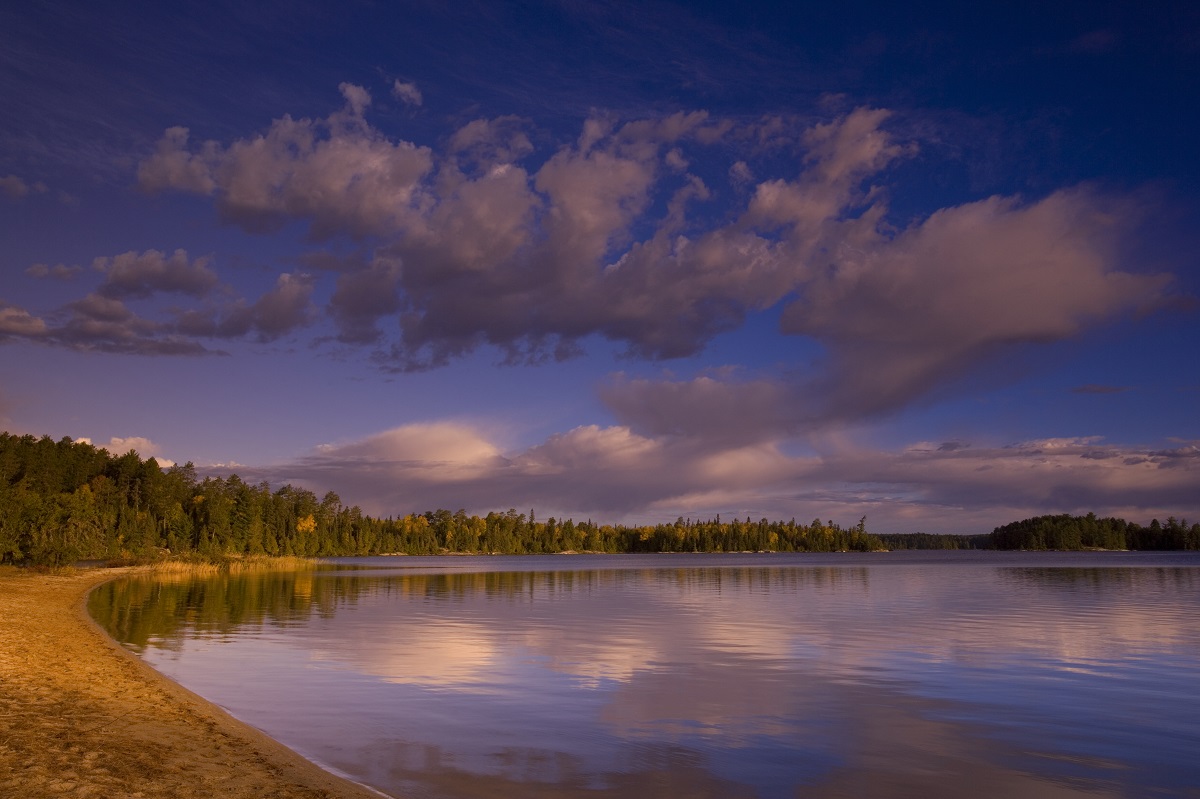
(65, 501)
(935, 541)
(1088, 532)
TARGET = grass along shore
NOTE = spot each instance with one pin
(81, 717)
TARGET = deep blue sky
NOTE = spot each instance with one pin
(931, 264)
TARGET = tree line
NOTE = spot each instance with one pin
(1062, 532)
(1066, 532)
(935, 541)
(64, 501)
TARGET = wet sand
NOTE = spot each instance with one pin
(81, 717)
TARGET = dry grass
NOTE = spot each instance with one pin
(232, 565)
(80, 717)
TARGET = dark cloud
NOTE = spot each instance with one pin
(17, 323)
(902, 315)
(102, 324)
(712, 408)
(611, 235)
(285, 308)
(362, 298)
(96, 323)
(103, 321)
(134, 275)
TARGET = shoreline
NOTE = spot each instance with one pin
(80, 716)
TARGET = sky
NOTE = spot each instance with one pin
(930, 264)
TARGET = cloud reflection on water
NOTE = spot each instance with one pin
(889, 678)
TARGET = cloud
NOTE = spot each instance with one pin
(532, 262)
(103, 320)
(56, 272)
(286, 307)
(903, 314)
(408, 92)
(131, 275)
(485, 144)
(13, 187)
(614, 473)
(740, 173)
(363, 297)
(144, 447)
(1071, 475)
(588, 469)
(712, 408)
(338, 173)
(19, 323)
(453, 446)
(174, 166)
(612, 235)
(392, 467)
(104, 324)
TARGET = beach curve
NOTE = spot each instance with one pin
(82, 717)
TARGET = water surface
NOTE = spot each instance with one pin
(890, 674)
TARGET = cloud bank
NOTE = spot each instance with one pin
(653, 233)
(612, 235)
(614, 473)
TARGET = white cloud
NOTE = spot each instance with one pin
(144, 447)
(450, 654)
(613, 473)
(408, 92)
(451, 446)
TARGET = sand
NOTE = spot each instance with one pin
(81, 717)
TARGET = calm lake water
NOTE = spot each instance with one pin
(887, 674)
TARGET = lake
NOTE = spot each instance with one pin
(885, 674)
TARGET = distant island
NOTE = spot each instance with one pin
(1063, 532)
(65, 501)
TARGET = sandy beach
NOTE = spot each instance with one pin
(81, 717)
